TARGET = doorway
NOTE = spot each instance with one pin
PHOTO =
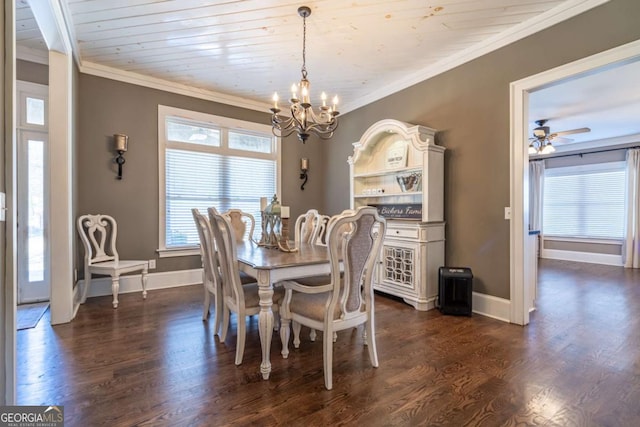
(520, 251)
(33, 259)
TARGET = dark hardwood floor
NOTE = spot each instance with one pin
(157, 363)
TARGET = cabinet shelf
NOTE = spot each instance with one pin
(385, 172)
(383, 195)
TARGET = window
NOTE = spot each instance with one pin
(208, 161)
(585, 201)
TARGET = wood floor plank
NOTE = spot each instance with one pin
(156, 363)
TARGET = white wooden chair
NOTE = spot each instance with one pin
(310, 227)
(242, 299)
(239, 221)
(210, 271)
(98, 234)
(347, 301)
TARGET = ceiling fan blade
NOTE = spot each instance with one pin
(569, 132)
(559, 139)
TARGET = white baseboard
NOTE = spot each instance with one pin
(131, 283)
(592, 258)
(490, 306)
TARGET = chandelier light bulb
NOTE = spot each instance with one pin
(323, 96)
(275, 100)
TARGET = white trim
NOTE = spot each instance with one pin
(519, 171)
(169, 253)
(61, 227)
(490, 306)
(32, 55)
(48, 16)
(589, 257)
(131, 283)
(172, 87)
(618, 242)
(34, 90)
(562, 12)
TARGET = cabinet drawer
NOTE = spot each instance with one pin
(407, 233)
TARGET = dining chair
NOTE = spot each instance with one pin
(210, 270)
(98, 234)
(321, 229)
(239, 221)
(355, 238)
(243, 300)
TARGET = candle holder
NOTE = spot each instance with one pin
(121, 143)
(283, 243)
(271, 224)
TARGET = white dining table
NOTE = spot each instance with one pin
(270, 266)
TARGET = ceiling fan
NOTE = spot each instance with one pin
(542, 136)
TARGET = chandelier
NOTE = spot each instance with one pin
(304, 120)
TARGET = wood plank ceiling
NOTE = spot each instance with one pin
(360, 50)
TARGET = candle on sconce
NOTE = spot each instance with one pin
(304, 164)
(284, 211)
(121, 142)
(263, 203)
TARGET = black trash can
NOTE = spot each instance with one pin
(454, 290)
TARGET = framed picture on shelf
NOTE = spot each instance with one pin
(396, 155)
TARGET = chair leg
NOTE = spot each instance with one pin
(371, 342)
(225, 323)
(87, 284)
(207, 303)
(144, 282)
(219, 306)
(327, 345)
(276, 320)
(284, 335)
(115, 287)
(241, 338)
(312, 335)
(296, 334)
(335, 336)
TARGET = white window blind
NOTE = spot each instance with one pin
(210, 164)
(585, 201)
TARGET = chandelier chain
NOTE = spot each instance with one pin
(304, 47)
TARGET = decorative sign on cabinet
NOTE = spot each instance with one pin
(397, 168)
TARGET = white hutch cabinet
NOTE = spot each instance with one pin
(398, 168)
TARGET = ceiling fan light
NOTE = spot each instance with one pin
(532, 149)
(547, 149)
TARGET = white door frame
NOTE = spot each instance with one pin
(520, 274)
(28, 131)
(49, 17)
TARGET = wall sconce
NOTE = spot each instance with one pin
(304, 167)
(121, 142)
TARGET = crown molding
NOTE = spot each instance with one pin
(167, 86)
(553, 16)
(32, 55)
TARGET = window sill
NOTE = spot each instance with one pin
(176, 252)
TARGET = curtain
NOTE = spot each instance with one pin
(536, 193)
(631, 247)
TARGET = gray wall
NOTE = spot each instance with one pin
(469, 105)
(32, 72)
(106, 107)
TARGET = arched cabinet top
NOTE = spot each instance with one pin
(420, 137)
